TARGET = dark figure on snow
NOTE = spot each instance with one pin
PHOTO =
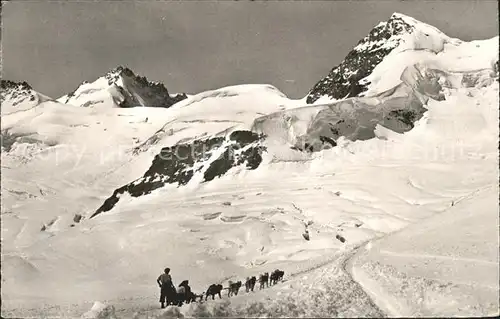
(273, 278)
(167, 289)
(195, 297)
(281, 274)
(213, 290)
(253, 280)
(233, 289)
(247, 284)
(250, 283)
(184, 293)
(264, 280)
(276, 276)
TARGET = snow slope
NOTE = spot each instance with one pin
(309, 128)
(444, 266)
(94, 150)
(16, 97)
(447, 265)
(402, 187)
(372, 195)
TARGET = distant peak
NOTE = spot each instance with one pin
(14, 93)
(400, 16)
(410, 21)
(7, 85)
(113, 75)
(126, 88)
(344, 79)
(400, 23)
(122, 70)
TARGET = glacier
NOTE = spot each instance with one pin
(404, 168)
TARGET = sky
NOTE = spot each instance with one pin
(201, 45)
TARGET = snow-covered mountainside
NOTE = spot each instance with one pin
(397, 189)
(122, 88)
(18, 96)
(208, 158)
(318, 127)
(387, 39)
(110, 147)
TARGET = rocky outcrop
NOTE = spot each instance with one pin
(10, 85)
(204, 159)
(18, 97)
(16, 92)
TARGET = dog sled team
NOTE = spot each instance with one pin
(170, 295)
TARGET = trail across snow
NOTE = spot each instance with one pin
(460, 277)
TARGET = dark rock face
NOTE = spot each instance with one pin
(138, 91)
(407, 117)
(153, 93)
(178, 164)
(308, 144)
(17, 92)
(342, 81)
(6, 85)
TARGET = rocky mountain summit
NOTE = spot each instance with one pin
(343, 81)
(122, 88)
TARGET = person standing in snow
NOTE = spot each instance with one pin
(166, 286)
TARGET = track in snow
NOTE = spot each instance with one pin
(385, 301)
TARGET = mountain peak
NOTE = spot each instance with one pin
(344, 80)
(386, 34)
(13, 94)
(115, 73)
(123, 88)
(398, 15)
